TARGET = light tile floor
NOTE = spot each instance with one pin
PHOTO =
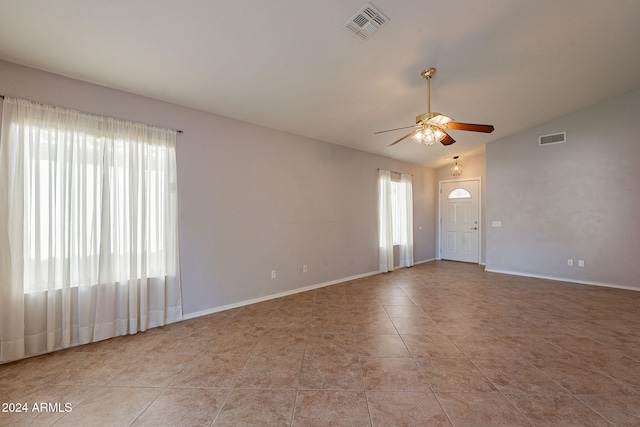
(441, 343)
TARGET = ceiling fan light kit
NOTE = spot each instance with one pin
(431, 127)
(428, 135)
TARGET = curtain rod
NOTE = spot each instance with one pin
(177, 130)
(398, 172)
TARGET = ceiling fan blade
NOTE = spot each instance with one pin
(391, 130)
(413, 132)
(447, 139)
(469, 126)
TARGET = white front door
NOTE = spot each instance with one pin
(460, 220)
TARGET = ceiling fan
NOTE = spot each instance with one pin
(431, 127)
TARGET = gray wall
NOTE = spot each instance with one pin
(472, 167)
(253, 199)
(578, 200)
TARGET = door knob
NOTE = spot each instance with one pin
(474, 228)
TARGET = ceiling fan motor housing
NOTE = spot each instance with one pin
(421, 118)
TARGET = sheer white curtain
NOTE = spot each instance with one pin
(385, 221)
(88, 228)
(395, 220)
(405, 221)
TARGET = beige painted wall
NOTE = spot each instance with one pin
(253, 199)
(576, 200)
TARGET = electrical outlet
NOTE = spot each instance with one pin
(305, 268)
(580, 263)
(273, 274)
(570, 263)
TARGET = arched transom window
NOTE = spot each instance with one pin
(459, 193)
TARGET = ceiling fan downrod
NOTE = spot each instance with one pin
(427, 74)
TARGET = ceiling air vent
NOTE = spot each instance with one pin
(554, 138)
(366, 22)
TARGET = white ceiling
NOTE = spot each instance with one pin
(291, 64)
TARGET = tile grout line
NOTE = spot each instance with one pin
(420, 369)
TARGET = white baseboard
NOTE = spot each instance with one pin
(425, 261)
(284, 294)
(479, 263)
(397, 267)
(273, 296)
(562, 279)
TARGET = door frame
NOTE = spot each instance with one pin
(439, 219)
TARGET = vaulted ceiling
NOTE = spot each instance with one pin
(292, 65)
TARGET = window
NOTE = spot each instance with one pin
(89, 206)
(96, 193)
(395, 211)
(395, 219)
(46, 235)
(459, 193)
